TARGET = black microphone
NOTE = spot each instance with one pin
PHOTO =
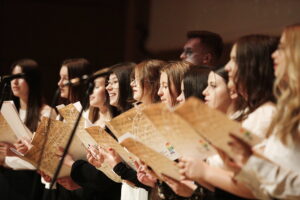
(85, 79)
(12, 77)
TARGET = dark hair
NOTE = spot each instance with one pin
(255, 72)
(35, 99)
(77, 67)
(212, 42)
(195, 81)
(149, 71)
(175, 71)
(123, 72)
(94, 111)
(223, 73)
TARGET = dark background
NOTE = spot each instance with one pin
(107, 32)
(49, 31)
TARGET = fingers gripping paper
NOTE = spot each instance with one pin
(83, 138)
(136, 123)
(159, 163)
(214, 125)
(6, 133)
(186, 141)
(70, 114)
(10, 114)
(106, 141)
(87, 139)
(57, 136)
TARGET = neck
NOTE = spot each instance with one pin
(23, 103)
(231, 109)
(104, 114)
(147, 100)
(103, 110)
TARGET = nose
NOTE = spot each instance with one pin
(60, 83)
(227, 67)
(160, 92)
(205, 91)
(132, 83)
(180, 98)
(182, 56)
(108, 87)
(274, 54)
(15, 81)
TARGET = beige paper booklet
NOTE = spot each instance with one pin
(104, 140)
(57, 136)
(10, 114)
(214, 125)
(135, 122)
(82, 138)
(178, 132)
(6, 133)
(159, 163)
(70, 113)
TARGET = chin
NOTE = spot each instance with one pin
(113, 103)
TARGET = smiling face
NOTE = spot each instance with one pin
(19, 86)
(216, 93)
(64, 77)
(98, 97)
(113, 90)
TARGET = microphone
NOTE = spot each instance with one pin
(85, 79)
(12, 77)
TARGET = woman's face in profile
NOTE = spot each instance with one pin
(113, 89)
(279, 57)
(164, 91)
(216, 93)
(181, 98)
(136, 87)
(98, 97)
(64, 77)
(231, 68)
(19, 86)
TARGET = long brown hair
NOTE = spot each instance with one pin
(255, 72)
(286, 122)
(35, 100)
(149, 71)
(175, 71)
(77, 67)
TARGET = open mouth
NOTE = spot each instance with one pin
(111, 94)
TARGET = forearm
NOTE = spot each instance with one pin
(224, 180)
(129, 174)
(269, 180)
(86, 175)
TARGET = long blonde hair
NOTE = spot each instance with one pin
(287, 88)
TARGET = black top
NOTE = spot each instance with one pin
(127, 173)
(95, 184)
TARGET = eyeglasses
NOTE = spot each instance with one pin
(113, 84)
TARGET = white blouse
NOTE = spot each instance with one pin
(17, 163)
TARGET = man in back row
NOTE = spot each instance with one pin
(203, 48)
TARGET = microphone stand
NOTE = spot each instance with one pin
(84, 104)
(37, 179)
(3, 86)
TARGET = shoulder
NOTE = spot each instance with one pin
(47, 111)
(260, 119)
